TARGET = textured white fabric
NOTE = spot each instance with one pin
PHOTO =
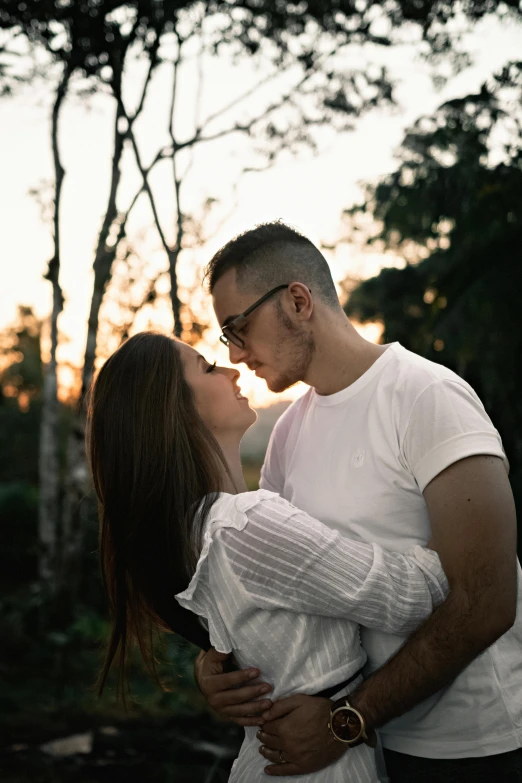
(359, 460)
(285, 594)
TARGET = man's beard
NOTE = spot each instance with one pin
(296, 350)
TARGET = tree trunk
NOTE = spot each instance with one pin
(48, 467)
(75, 512)
(174, 298)
(103, 259)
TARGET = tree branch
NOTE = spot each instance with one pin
(198, 101)
(246, 128)
(105, 254)
(174, 254)
(236, 101)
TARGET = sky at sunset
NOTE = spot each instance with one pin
(308, 191)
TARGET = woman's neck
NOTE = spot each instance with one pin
(233, 481)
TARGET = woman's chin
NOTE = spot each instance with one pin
(253, 417)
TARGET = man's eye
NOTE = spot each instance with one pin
(211, 367)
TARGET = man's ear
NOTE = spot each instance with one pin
(302, 300)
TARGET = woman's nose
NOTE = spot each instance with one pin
(232, 373)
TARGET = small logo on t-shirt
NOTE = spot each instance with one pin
(358, 458)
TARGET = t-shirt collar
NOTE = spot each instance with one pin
(326, 400)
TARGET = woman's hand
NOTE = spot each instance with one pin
(231, 695)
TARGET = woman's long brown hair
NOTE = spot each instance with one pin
(152, 461)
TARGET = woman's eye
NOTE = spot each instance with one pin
(211, 367)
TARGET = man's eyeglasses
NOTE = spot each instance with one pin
(230, 331)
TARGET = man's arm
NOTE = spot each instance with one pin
(472, 515)
(304, 566)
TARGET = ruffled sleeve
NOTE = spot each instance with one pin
(200, 597)
(260, 552)
(285, 559)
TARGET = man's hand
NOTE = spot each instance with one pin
(298, 726)
(231, 694)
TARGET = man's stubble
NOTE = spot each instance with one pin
(295, 351)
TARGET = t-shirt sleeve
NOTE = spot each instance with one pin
(447, 423)
(285, 559)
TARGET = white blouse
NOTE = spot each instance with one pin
(286, 594)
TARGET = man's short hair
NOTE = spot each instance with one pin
(272, 254)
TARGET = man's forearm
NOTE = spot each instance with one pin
(430, 659)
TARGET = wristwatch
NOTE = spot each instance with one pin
(346, 723)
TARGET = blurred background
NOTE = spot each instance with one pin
(135, 139)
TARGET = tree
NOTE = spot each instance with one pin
(453, 208)
(89, 46)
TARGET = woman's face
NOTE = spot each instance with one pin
(218, 397)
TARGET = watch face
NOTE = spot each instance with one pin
(346, 724)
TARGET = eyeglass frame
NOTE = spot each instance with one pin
(240, 319)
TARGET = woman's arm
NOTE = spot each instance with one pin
(286, 559)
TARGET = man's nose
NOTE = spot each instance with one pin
(236, 354)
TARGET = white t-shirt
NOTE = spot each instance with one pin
(359, 460)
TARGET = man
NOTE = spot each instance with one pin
(391, 448)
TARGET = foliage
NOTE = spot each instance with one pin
(94, 42)
(454, 209)
(18, 536)
(251, 473)
(244, 22)
(20, 387)
(60, 664)
(21, 359)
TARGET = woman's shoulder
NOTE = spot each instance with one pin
(227, 506)
(258, 508)
(227, 512)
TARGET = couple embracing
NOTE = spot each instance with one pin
(367, 593)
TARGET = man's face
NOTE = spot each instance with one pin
(277, 347)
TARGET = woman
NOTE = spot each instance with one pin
(181, 536)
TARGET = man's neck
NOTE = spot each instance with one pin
(340, 358)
